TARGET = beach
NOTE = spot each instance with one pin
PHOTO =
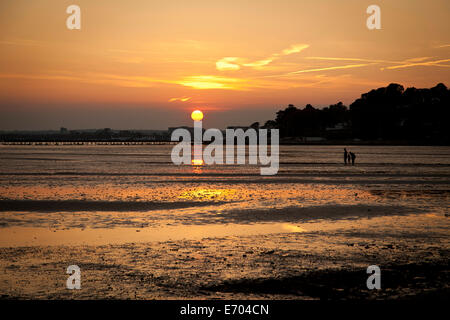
(140, 227)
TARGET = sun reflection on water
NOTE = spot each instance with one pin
(197, 162)
(293, 228)
(208, 194)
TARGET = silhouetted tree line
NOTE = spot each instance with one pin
(388, 113)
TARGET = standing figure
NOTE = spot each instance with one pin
(353, 156)
(345, 155)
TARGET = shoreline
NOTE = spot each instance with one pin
(294, 142)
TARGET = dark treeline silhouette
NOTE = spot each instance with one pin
(388, 114)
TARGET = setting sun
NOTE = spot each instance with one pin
(197, 115)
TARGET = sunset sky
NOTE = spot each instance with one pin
(147, 64)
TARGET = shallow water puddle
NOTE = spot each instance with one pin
(30, 236)
(38, 236)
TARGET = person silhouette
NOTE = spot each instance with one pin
(353, 156)
(345, 155)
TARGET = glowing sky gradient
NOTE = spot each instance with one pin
(147, 64)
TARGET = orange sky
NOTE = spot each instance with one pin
(147, 64)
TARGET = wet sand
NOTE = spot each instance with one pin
(141, 228)
(320, 260)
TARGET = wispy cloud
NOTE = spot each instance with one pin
(195, 82)
(348, 66)
(306, 71)
(407, 63)
(352, 59)
(259, 63)
(295, 49)
(181, 99)
(418, 59)
(211, 82)
(227, 63)
(235, 63)
(437, 63)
